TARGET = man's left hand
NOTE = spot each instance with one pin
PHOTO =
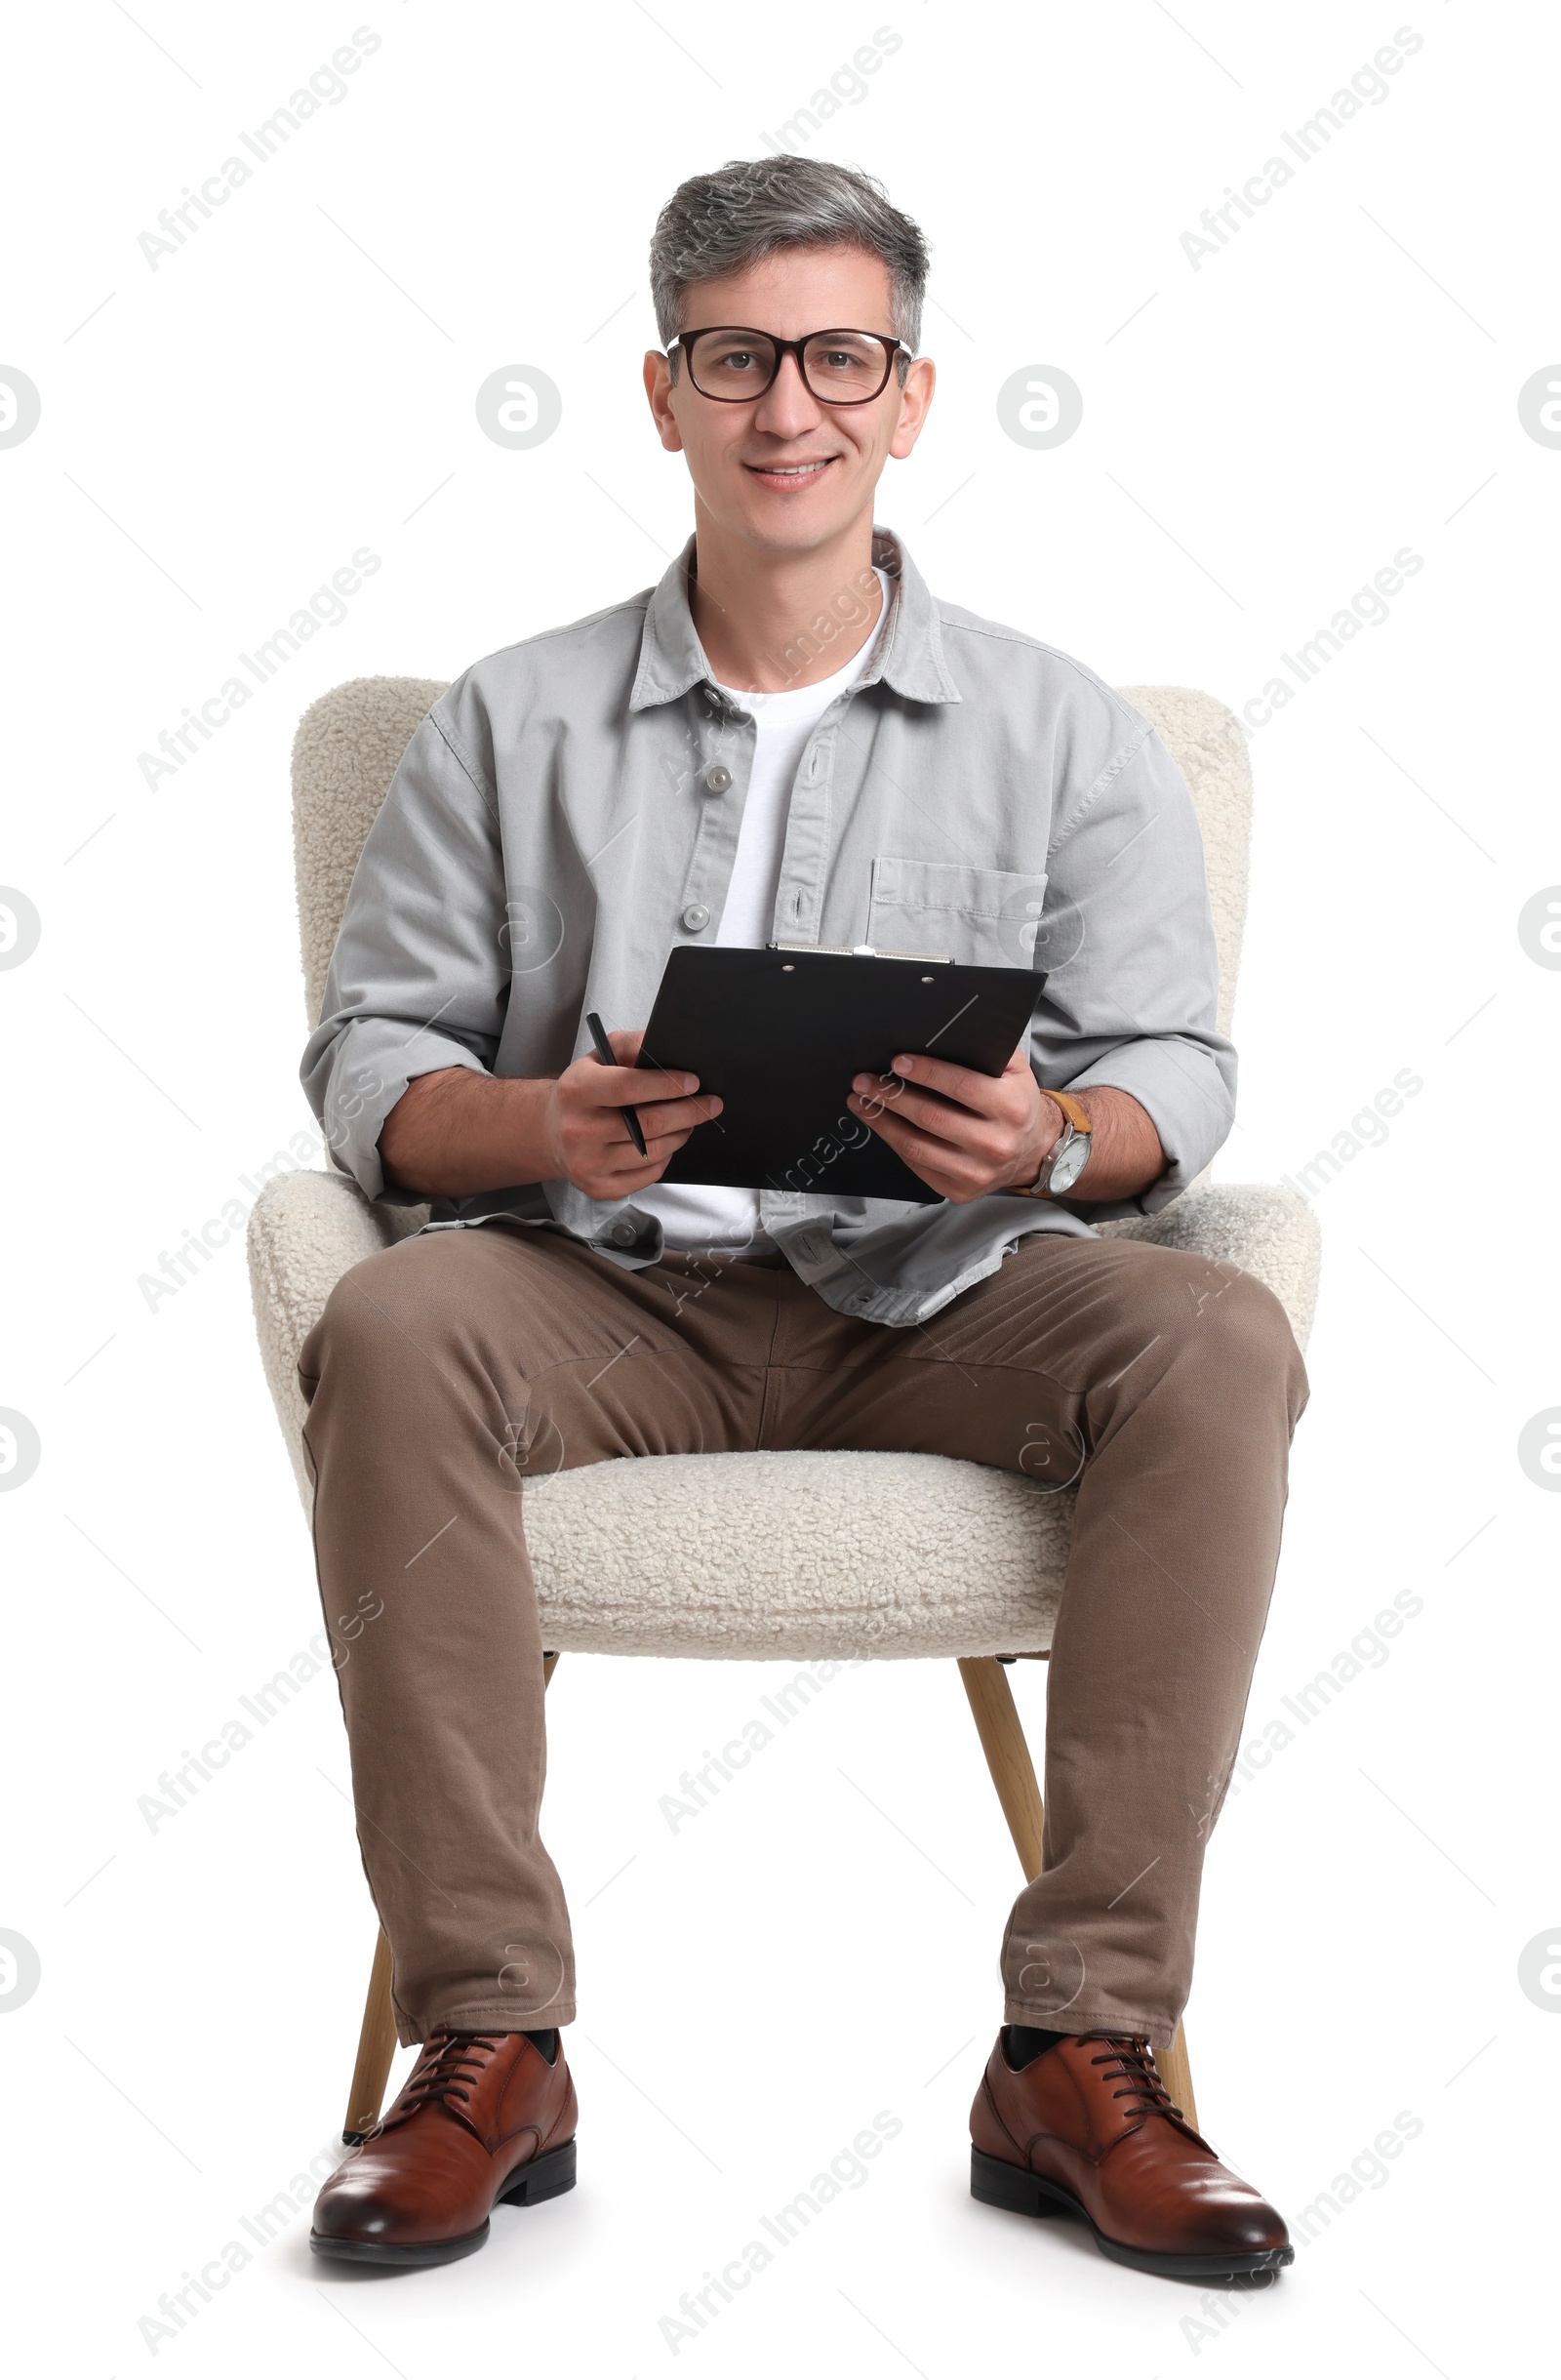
(963, 1133)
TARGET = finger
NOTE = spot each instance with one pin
(623, 1087)
(952, 1127)
(659, 1118)
(664, 1119)
(626, 1047)
(948, 1171)
(615, 1181)
(914, 1106)
(984, 1094)
(620, 1163)
(877, 1092)
(619, 1171)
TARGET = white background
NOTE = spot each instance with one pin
(1260, 436)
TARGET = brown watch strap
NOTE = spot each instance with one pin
(1078, 1117)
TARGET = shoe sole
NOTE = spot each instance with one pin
(1021, 2193)
(543, 2177)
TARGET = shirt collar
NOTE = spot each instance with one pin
(910, 656)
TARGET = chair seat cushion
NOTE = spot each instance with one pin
(769, 1557)
(796, 1556)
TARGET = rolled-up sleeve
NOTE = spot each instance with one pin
(1132, 982)
(418, 979)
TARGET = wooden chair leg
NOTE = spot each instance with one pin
(1007, 1757)
(1177, 2075)
(377, 2046)
(376, 2042)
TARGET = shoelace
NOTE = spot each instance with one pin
(1132, 2064)
(450, 2064)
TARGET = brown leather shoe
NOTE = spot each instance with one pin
(1089, 2128)
(483, 2118)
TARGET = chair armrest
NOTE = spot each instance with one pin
(1268, 1231)
(306, 1230)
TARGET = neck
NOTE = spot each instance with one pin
(760, 616)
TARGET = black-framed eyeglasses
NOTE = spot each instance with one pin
(734, 364)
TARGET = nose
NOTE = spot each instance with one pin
(790, 406)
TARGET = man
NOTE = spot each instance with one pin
(787, 738)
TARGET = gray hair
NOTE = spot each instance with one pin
(723, 222)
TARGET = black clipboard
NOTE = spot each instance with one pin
(778, 1036)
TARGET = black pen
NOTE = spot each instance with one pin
(604, 1051)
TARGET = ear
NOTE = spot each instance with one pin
(914, 399)
(658, 396)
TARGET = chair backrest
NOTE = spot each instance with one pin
(348, 742)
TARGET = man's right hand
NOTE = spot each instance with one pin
(456, 1132)
(583, 1119)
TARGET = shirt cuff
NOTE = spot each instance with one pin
(353, 1094)
(1187, 1100)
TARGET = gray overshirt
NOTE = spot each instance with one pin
(568, 812)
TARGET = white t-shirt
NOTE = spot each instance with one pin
(706, 1217)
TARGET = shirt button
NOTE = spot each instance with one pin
(718, 780)
(695, 917)
(623, 1234)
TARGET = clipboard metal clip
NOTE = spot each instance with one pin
(861, 949)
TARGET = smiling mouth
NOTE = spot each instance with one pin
(790, 475)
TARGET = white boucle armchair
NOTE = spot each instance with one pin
(757, 1556)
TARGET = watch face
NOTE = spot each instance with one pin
(1069, 1165)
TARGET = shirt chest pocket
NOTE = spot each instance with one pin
(937, 908)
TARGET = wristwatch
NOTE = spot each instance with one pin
(1068, 1154)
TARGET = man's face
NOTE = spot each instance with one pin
(786, 472)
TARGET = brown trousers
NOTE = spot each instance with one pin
(446, 1369)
